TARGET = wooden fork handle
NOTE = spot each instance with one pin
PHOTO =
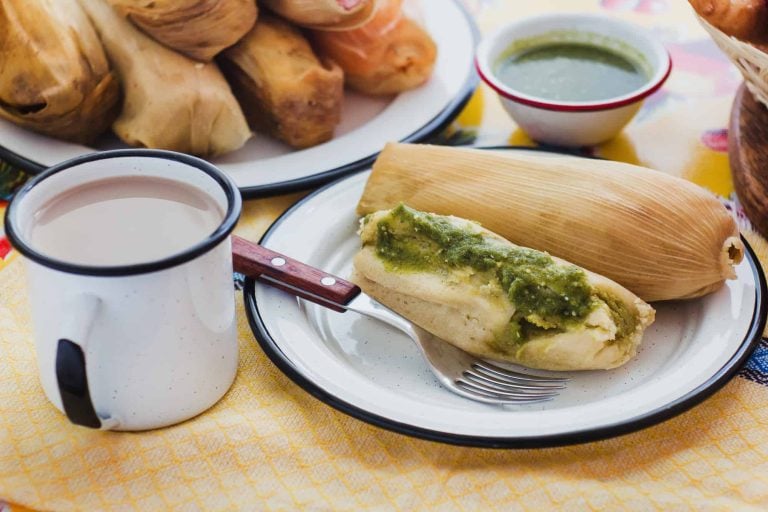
(301, 279)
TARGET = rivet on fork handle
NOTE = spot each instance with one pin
(307, 282)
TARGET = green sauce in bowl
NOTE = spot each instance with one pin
(570, 71)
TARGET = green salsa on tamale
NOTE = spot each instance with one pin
(546, 295)
(543, 296)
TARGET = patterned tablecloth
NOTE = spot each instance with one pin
(268, 445)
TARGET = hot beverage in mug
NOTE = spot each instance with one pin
(129, 267)
(124, 220)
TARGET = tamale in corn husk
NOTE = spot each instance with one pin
(54, 76)
(199, 29)
(171, 102)
(324, 14)
(387, 55)
(476, 290)
(660, 236)
(284, 89)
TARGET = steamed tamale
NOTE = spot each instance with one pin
(199, 29)
(171, 101)
(324, 14)
(660, 236)
(54, 76)
(494, 299)
(282, 86)
(388, 54)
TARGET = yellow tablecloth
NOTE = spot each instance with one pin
(270, 446)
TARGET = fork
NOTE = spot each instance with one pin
(457, 370)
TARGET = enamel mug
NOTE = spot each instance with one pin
(138, 346)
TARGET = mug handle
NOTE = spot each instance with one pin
(71, 374)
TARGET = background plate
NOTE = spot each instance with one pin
(265, 166)
(374, 373)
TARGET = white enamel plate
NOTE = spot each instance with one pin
(376, 374)
(265, 166)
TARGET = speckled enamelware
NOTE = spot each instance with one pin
(375, 373)
(265, 166)
(141, 346)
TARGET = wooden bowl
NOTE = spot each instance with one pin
(748, 155)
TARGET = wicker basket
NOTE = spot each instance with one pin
(751, 61)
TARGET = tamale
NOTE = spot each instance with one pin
(284, 89)
(476, 290)
(324, 14)
(660, 236)
(199, 29)
(387, 55)
(54, 76)
(171, 102)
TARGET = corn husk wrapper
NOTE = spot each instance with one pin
(284, 89)
(171, 102)
(199, 29)
(659, 236)
(54, 76)
(387, 55)
(324, 14)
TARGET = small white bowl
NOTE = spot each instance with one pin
(574, 123)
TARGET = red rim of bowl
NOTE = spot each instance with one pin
(576, 107)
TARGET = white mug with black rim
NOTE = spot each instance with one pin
(132, 346)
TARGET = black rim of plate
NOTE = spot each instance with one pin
(668, 411)
(433, 127)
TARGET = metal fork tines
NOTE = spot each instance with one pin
(491, 381)
(461, 372)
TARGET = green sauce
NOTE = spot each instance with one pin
(570, 72)
(547, 296)
(623, 318)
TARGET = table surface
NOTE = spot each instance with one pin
(681, 130)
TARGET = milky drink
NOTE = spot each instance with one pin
(124, 220)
